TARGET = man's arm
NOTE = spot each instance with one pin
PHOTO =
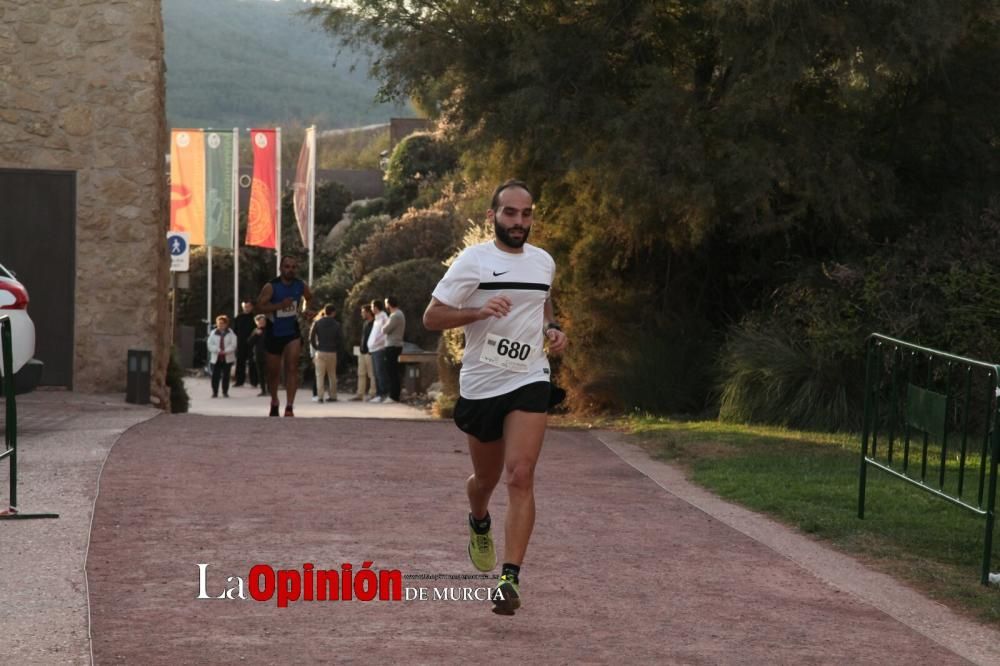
(557, 339)
(307, 296)
(440, 317)
(264, 304)
(393, 325)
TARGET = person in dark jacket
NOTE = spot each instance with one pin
(366, 375)
(325, 337)
(243, 326)
(258, 352)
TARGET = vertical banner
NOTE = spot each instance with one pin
(187, 184)
(262, 218)
(305, 181)
(219, 185)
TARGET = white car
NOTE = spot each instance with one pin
(14, 304)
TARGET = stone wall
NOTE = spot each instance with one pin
(82, 89)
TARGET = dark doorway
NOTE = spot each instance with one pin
(38, 243)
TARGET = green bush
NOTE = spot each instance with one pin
(666, 367)
(449, 361)
(333, 288)
(358, 231)
(412, 283)
(798, 360)
(419, 158)
(771, 377)
(419, 234)
(179, 399)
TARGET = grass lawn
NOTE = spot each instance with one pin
(810, 481)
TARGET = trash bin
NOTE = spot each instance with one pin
(137, 385)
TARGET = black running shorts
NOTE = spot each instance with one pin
(276, 345)
(483, 419)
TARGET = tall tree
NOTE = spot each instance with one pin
(693, 155)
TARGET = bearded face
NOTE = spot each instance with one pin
(512, 217)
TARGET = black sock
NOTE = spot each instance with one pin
(510, 570)
(480, 526)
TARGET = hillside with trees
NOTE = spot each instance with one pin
(243, 63)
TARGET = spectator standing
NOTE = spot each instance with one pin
(326, 337)
(366, 375)
(376, 347)
(393, 329)
(258, 352)
(243, 326)
(221, 352)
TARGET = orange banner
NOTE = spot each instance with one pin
(261, 218)
(187, 184)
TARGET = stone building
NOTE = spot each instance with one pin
(83, 208)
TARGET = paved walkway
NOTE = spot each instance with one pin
(629, 561)
(245, 401)
(63, 439)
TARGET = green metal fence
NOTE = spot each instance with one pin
(930, 420)
(10, 423)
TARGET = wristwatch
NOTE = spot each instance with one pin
(552, 325)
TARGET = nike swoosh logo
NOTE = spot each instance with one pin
(495, 274)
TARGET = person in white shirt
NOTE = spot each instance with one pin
(376, 347)
(221, 354)
(500, 293)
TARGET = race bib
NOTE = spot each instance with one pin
(290, 311)
(505, 353)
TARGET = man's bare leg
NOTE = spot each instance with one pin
(291, 357)
(523, 433)
(487, 466)
(273, 375)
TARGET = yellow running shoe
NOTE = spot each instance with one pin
(481, 551)
(507, 596)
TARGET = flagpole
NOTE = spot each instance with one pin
(277, 204)
(312, 199)
(236, 222)
(209, 288)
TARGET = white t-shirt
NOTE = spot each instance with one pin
(376, 339)
(501, 354)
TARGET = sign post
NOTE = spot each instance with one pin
(180, 251)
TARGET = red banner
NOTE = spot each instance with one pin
(262, 216)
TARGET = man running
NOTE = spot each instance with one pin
(499, 291)
(281, 300)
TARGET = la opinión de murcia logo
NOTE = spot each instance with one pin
(263, 583)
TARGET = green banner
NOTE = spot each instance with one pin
(219, 185)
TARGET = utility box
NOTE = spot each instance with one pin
(137, 384)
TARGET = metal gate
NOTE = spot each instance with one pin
(930, 420)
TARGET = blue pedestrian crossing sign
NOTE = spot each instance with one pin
(177, 246)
